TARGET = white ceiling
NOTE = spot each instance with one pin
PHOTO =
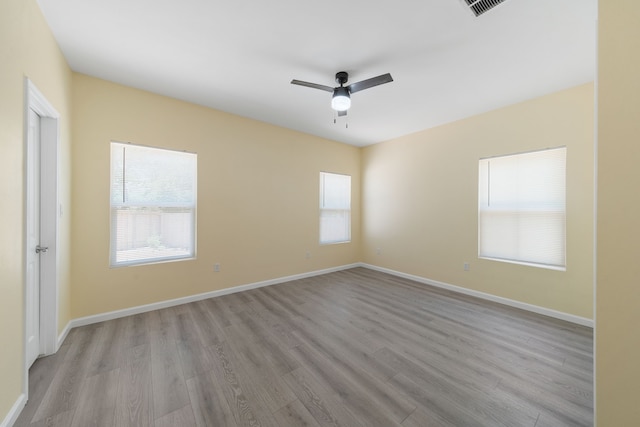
(240, 56)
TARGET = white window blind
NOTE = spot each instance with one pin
(521, 208)
(335, 208)
(153, 204)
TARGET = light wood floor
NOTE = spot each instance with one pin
(355, 348)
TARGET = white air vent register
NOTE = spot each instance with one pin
(478, 7)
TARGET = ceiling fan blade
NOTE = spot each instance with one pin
(312, 85)
(366, 84)
(342, 113)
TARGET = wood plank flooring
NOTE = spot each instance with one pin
(356, 348)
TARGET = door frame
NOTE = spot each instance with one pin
(50, 210)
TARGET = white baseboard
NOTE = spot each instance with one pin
(489, 297)
(184, 300)
(82, 321)
(63, 336)
(15, 411)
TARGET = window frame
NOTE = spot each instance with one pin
(322, 210)
(524, 208)
(162, 208)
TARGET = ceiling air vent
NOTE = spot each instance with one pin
(481, 6)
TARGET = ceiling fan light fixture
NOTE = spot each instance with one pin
(341, 100)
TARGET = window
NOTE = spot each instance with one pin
(153, 204)
(335, 208)
(521, 208)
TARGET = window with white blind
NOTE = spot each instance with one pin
(335, 208)
(153, 204)
(521, 208)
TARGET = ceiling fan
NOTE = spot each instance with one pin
(341, 100)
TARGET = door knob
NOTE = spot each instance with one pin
(40, 249)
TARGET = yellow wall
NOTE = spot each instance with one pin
(27, 48)
(420, 200)
(257, 197)
(618, 269)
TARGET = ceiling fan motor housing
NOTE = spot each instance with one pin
(342, 77)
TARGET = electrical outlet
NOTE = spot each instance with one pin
(307, 254)
(466, 266)
(378, 251)
(216, 268)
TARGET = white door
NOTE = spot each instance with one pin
(34, 252)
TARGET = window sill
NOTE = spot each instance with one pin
(528, 264)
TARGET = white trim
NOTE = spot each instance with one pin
(50, 208)
(38, 102)
(15, 411)
(63, 336)
(49, 211)
(102, 317)
(88, 320)
(525, 263)
(489, 297)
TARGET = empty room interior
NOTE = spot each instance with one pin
(435, 226)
